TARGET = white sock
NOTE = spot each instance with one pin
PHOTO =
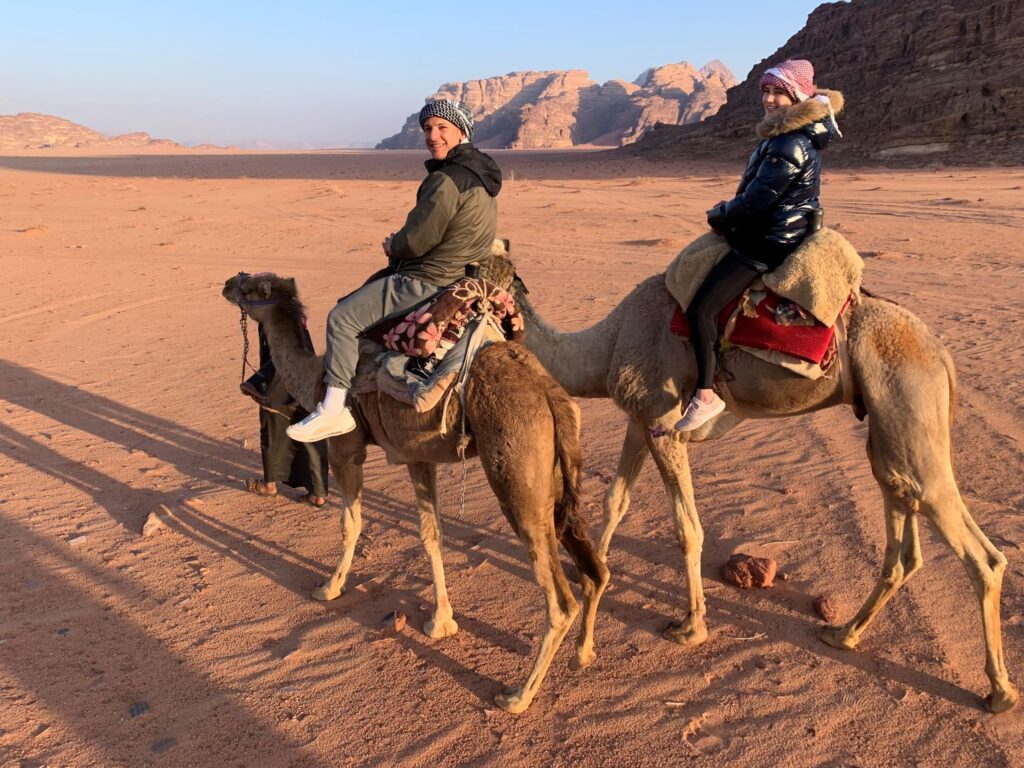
(334, 401)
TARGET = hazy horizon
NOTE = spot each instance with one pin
(320, 75)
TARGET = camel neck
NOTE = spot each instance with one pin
(300, 369)
(578, 360)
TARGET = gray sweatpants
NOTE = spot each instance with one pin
(360, 310)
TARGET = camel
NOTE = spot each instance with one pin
(525, 429)
(906, 385)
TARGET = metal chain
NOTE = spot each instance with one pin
(243, 321)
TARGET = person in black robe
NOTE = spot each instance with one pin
(298, 465)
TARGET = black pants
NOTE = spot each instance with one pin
(723, 284)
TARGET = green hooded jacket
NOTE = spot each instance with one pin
(455, 219)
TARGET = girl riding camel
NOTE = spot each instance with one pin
(775, 208)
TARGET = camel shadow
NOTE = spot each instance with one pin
(727, 606)
(103, 653)
(194, 454)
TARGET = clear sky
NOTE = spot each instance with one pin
(337, 73)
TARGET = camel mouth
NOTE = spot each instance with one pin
(230, 290)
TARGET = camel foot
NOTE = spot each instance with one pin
(327, 591)
(690, 632)
(513, 700)
(838, 637)
(582, 659)
(435, 630)
(1002, 698)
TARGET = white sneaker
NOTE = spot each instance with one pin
(698, 413)
(319, 425)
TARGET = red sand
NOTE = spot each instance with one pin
(119, 366)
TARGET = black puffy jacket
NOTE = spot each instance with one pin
(781, 182)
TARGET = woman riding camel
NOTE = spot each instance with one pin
(452, 226)
(775, 208)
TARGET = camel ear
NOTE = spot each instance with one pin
(266, 288)
(289, 285)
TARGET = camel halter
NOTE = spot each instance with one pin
(243, 320)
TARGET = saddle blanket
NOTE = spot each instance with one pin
(769, 322)
(431, 344)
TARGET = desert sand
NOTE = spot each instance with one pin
(198, 645)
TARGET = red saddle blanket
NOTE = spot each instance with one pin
(808, 342)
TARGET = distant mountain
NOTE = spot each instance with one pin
(923, 81)
(565, 108)
(31, 130)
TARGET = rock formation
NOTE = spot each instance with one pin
(566, 108)
(31, 130)
(923, 81)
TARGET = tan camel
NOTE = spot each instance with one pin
(524, 427)
(906, 384)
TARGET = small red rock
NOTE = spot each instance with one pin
(747, 572)
(393, 622)
(827, 607)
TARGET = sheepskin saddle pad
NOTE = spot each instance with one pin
(426, 347)
(818, 276)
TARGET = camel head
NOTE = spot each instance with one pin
(259, 294)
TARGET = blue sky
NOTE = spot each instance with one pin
(330, 74)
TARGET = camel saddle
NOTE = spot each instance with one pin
(789, 316)
(427, 348)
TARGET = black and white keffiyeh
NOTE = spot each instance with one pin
(455, 112)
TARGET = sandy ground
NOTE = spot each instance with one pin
(198, 646)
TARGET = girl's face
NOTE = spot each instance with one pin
(774, 99)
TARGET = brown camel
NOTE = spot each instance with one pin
(524, 427)
(906, 384)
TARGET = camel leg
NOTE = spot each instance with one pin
(561, 611)
(593, 575)
(985, 565)
(348, 474)
(902, 559)
(616, 500)
(671, 457)
(424, 480)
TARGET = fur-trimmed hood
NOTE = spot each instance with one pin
(801, 115)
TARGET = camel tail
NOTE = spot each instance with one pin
(570, 521)
(947, 360)
(566, 415)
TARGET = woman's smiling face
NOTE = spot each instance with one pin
(774, 99)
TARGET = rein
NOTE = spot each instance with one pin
(243, 320)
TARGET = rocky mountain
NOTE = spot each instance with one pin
(923, 80)
(524, 110)
(31, 130)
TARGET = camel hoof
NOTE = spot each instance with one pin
(582, 660)
(1002, 699)
(435, 630)
(837, 637)
(688, 633)
(325, 592)
(512, 700)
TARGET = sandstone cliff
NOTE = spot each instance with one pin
(566, 108)
(924, 81)
(31, 130)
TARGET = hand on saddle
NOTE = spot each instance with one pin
(716, 218)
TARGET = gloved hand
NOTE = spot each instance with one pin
(716, 217)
